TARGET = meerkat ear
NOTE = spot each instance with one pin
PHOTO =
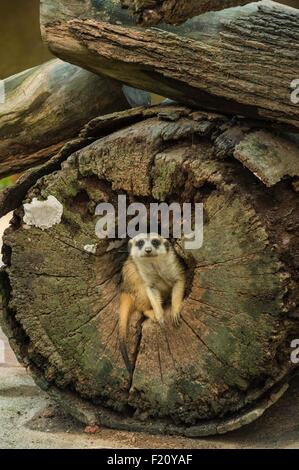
(167, 245)
(130, 244)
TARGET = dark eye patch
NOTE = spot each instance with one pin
(140, 244)
(156, 243)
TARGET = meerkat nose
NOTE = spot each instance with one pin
(148, 249)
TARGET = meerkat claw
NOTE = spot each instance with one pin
(176, 319)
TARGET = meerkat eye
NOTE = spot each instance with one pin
(156, 243)
(140, 244)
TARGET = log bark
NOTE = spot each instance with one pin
(46, 106)
(240, 61)
(240, 312)
(150, 12)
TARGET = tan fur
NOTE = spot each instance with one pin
(148, 283)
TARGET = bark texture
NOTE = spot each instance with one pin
(241, 60)
(46, 106)
(175, 11)
(241, 306)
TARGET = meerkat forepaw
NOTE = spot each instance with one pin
(160, 320)
(176, 318)
(159, 316)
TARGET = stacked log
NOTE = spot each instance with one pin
(231, 144)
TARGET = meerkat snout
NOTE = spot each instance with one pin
(152, 276)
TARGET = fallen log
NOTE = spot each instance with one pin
(240, 61)
(240, 312)
(175, 11)
(46, 106)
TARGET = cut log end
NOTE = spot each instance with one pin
(61, 300)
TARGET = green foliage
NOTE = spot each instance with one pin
(5, 182)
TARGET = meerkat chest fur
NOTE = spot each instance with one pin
(159, 272)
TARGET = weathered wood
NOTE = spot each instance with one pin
(12, 197)
(152, 12)
(269, 157)
(46, 106)
(239, 61)
(61, 302)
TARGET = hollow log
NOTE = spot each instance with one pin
(46, 106)
(240, 313)
(224, 61)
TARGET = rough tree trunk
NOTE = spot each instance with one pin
(240, 60)
(241, 307)
(46, 106)
(175, 11)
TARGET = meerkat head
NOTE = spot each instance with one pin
(148, 245)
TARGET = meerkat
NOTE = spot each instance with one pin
(152, 275)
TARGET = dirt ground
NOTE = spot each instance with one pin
(29, 419)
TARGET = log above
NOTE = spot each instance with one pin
(224, 61)
(175, 11)
(240, 312)
(46, 106)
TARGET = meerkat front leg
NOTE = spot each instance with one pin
(177, 297)
(156, 302)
